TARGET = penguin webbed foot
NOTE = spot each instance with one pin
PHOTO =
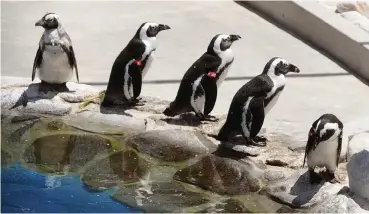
(260, 138)
(211, 118)
(137, 102)
(314, 178)
(332, 178)
(46, 87)
(251, 142)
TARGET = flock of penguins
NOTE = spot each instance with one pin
(55, 61)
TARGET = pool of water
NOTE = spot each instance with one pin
(24, 190)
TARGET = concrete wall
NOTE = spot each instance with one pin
(343, 42)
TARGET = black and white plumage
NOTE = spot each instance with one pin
(55, 58)
(131, 65)
(323, 147)
(254, 100)
(198, 89)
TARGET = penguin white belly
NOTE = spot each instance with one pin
(55, 66)
(226, 57)
(324, 155)
(272, 103)
(223, 76)
(148, 64)
(150, 47)
(278, 81)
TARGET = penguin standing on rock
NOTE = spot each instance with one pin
(198, 89)
(55, 58)
(323, 147)
(254, 100)
(131, 66)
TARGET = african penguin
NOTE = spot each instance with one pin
(131, 66)
(55, 58)
(323, 146)
(198, 89)
(254, 100)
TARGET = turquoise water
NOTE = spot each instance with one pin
(24, 190)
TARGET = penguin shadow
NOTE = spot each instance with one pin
(38, 91)
(303, 190)
(224, 151)
(116, 109)
(235, 148)
(185, 119)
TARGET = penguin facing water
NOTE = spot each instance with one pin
(131, 65)
(254, 100)
(323, 147)
(55, 58)
(198, 88)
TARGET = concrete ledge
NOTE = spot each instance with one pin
(309, 21)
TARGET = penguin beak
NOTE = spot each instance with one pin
(235, 37)
(40, 23)
(163, 27)
(293, 68)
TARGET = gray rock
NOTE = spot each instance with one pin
(23, 95)
(226, 206)
(28, 99)
(105, 123)
(342, 203)
(118, 167)
(358, 173)
(162, 197)
(223, 175)
(358, 143)
(297, 191)
(61, 153)
(171, 145)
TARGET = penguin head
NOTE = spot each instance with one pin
(221, 42)
(149, 30)
(326, 129)
(278, 66)
(48, 21)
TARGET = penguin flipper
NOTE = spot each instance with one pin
(211, 92)
(257, 115)
(37, 62)
(311, 143)
(71, 59)
(339, 148)
(136, 75)
(198, 101)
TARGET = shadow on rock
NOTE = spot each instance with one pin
(299, 189)
(186, 119)
(32, 93)
(116, 110)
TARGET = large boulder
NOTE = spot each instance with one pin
(223, 175)
(119, 167)
(358, 173)
(172, 145)
(62, 153)
(105, 123)
(344, 202)
(358, 143)
(23, 95)
(164, 197)
(297, 191)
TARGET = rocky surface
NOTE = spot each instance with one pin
(358, 173)
(356, 12)
(160, 164)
